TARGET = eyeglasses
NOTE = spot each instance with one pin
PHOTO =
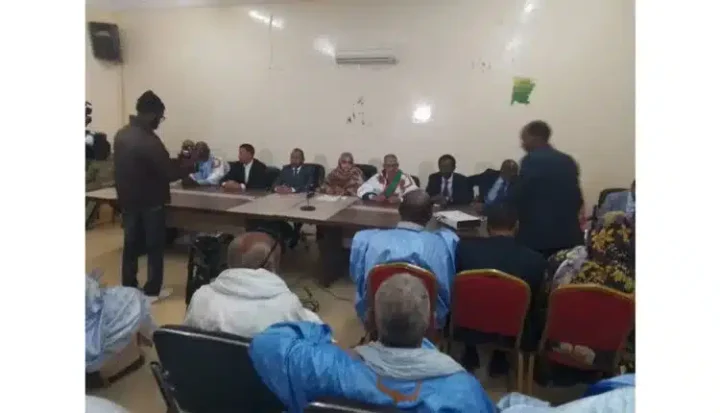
(267, 257)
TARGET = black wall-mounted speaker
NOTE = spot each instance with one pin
(105, 40)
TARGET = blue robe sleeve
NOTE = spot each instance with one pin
(298, 362)
(358, 271)
(625, 380)
(445, 273)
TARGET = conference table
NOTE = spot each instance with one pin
(213, 209)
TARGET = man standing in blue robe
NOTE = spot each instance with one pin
(408, 242)
(300, 363)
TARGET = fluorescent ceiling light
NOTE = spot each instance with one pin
(422, 114)
(265, 19)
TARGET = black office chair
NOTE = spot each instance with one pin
(204, 372)
(367, 170)
(271, 174)
(318, 174)
(607, 191)
(416, 179)
(601, 199)
(345, 406)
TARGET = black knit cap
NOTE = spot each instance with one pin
(149, 102)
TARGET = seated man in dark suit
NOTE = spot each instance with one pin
(294, 177)
(247, 173)
(500, 251)
(547, 194)
(447, 187)
(493, 185)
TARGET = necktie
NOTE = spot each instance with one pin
(445, 190)
(295, 171)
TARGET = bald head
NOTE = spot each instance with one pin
(254, 250)
(416, 207)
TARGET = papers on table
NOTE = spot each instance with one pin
(329, 198)
(457, 219)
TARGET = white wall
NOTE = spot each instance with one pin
(103, 82)
(228, 79)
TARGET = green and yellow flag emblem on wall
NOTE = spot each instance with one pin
(522, 88)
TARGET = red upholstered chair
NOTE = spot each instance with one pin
(587, 328)
(382, 272)
(491, 306)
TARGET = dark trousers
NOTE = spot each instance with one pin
(144, 231)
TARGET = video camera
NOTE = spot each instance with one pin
(97, 146)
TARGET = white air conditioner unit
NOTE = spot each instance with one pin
(371, 57)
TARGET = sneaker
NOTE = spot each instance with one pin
(164, 293)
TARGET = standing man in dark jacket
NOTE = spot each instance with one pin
(143, 172)
(547, 194)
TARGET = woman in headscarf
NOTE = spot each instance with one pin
(608, 259)
(345, 179)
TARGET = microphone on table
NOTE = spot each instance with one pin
(308, 195)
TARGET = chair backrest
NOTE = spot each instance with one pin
(318, 173)
(491, 302)
(211, 372)
(271, 174)
(367, 170)
(382, 272)
(590, 316)
(345, 406)
(607, 191)
(416, 179)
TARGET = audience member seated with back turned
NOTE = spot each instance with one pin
(547, 194)
(494, 186)
(295, 177)
(345, 179)
(300, 364)
(447, 187)
(411, 243)
(614, 395)
(500, 251)
(247, 297)
(388, 185)
(619, 201)
(608, 259)
(210, 169)
(247, 172)
(114, 316)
